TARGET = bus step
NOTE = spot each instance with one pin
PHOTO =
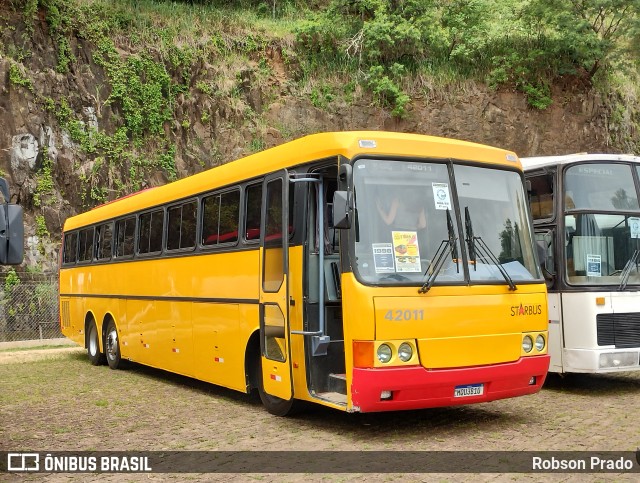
(334, 397)
(338, 383)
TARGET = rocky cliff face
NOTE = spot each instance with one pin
(53, 176)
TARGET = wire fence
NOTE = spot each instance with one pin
(29, 308)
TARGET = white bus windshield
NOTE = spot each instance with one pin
(601, 246)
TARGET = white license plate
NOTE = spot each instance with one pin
(468, 390)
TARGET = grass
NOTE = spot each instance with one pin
(69, 404)
(37, 347)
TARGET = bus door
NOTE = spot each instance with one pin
(274, 287)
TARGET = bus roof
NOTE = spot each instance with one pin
(300, 151)
(543, 161)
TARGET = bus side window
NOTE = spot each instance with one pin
(70, 247)
(85, 241)
(182, 226)
(150, 235)
(541, 196)
(125, 234)
(253, 203)
(104, 235)
(220, 215)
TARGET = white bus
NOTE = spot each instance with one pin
(586, 216)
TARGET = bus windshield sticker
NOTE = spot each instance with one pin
(383, 257)
(406, 251)
(634, 224)
(594, 265)
(441, 196)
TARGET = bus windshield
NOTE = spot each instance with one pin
(407, 219)
(601, 247)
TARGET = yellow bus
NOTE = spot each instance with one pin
(365, 271)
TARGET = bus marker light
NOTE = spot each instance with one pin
(276, 378)
(386, 395)
(599, 300)
(146, 346)
(362, 353)
(176, 350)
(218, 359)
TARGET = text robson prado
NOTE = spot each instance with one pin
(593, 463)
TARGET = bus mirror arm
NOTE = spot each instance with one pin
(541, 248)
(341, 210)
(549, 276)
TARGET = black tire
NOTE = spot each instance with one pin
(273, 404)
(112, 346)
(96, 357)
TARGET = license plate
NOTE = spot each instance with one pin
(468, 390)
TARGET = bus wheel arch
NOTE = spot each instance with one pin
(92, 341)
(251, 358)
(253, 369)
(111, 339)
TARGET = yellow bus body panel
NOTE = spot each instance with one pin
(457, 332)
(189, 315)
(458, 327)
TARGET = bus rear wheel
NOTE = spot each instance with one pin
(96, 357)
(112, 346)
(273, 404)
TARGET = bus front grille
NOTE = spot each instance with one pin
(619, 330)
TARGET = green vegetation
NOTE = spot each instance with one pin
(155, 58)
(18, 78)
(10, 281)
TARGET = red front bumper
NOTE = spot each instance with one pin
(417, 387)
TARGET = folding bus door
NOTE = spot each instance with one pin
(274, 287)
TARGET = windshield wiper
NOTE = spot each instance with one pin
(476, 243)
(626, 271)
(440, 256)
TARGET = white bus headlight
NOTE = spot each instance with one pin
(527, 344)
(384, 353)
(405, 352)
(540, 342)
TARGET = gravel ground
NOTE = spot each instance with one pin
(55, 400)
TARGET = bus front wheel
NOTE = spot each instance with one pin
(112, 346)
(96, 357)
(273, 404)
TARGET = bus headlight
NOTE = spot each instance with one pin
(384, 353)
(405, 352)
(540, 342)
(527, 344)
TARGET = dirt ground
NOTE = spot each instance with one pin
(55, 400)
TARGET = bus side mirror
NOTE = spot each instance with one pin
(341, 218)
(11, 235)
